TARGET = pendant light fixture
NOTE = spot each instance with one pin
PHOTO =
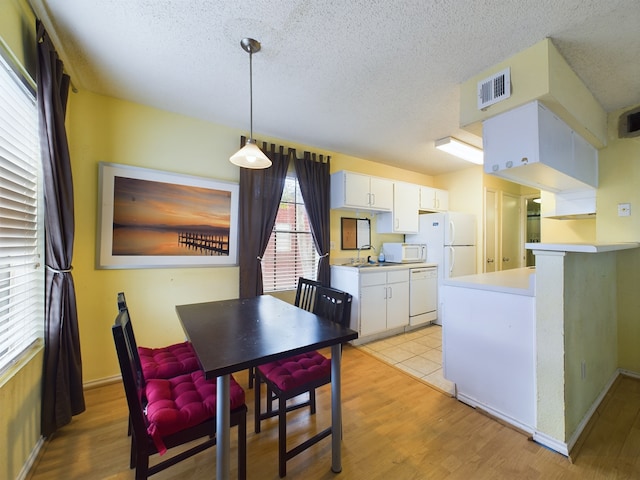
(250, 156)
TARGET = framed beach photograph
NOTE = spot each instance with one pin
(156, 219)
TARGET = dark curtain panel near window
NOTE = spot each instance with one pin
(259, 199)
(62, 395)
(315, 185)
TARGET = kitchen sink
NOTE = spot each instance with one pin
(370, 265)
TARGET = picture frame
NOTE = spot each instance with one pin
(157, 219)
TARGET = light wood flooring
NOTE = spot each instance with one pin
(395, 427)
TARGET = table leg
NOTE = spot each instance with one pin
(223, 426)
(336, 409)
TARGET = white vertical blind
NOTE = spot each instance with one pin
(291, 252)
(21, 230)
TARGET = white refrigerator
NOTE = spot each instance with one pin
(451, 243)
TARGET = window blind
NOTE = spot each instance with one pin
(291, 252)
(21, 228)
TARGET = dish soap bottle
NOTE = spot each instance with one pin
(381, 257)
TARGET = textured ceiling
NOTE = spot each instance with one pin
(376, 79)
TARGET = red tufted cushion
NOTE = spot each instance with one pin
(182, 402)
(292, 372)
(167, 362)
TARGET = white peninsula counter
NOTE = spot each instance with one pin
(537, 347)
(489, 342)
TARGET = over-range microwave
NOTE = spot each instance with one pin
(404, 252)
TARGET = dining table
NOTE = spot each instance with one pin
(232, 335)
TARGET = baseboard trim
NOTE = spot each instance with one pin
(551, 443)
(101, 382)
(31, 461)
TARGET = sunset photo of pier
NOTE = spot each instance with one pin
(152, 218)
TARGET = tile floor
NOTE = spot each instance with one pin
(418, 353)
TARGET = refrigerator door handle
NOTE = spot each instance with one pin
(452, 232)
(452, 259)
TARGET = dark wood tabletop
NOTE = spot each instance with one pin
(232, 335)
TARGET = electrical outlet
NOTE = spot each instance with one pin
(624, 209)
(332, 245)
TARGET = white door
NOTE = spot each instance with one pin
(461, 229)
(510, 241)
(459, 261)
(490, 230)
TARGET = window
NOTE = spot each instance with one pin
(21, 231)
(291, 252)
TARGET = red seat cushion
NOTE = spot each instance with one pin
(298, 370)
(182, 402)
(167, 362)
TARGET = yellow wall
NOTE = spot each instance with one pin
(17, 29)
(619, 166)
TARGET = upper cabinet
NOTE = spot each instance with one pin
(361, 192)
(398, 203)
(404, 218)
(434, 199)
(531, 146)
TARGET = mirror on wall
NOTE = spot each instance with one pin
(355, 233)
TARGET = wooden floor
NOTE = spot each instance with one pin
(395, 427)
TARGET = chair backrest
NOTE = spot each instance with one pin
(306, 293)
(131, 374)
(128, 331)
(122, 302)
(333, 304)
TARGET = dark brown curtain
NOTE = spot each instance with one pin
(260, 195)
(62, 395)
(315, 185)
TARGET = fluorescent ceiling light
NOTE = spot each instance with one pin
(460, 149)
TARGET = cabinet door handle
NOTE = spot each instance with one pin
(505, 259)
(490, 260)
(390, 294)
(373, 199)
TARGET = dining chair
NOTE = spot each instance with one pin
(162, 362)
(299, 374)
(305, 298)
(166, 413)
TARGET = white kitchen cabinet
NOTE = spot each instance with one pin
(380, 305)
(359, 191)
(531, 146)
(433, 199)
(405, 216)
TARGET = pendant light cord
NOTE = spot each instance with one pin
(251, 94)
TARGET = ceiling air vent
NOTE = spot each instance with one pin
(629, 124)
(494, 89)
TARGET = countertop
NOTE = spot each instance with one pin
(517, 281)
(386, 266)
(581, 247)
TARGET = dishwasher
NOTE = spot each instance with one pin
(423, 295)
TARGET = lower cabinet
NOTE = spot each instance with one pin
(380, 299)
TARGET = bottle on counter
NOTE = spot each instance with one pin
(381, 257)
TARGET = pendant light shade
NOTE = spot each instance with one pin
(250, 156)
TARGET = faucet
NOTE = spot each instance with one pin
(362, 248)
